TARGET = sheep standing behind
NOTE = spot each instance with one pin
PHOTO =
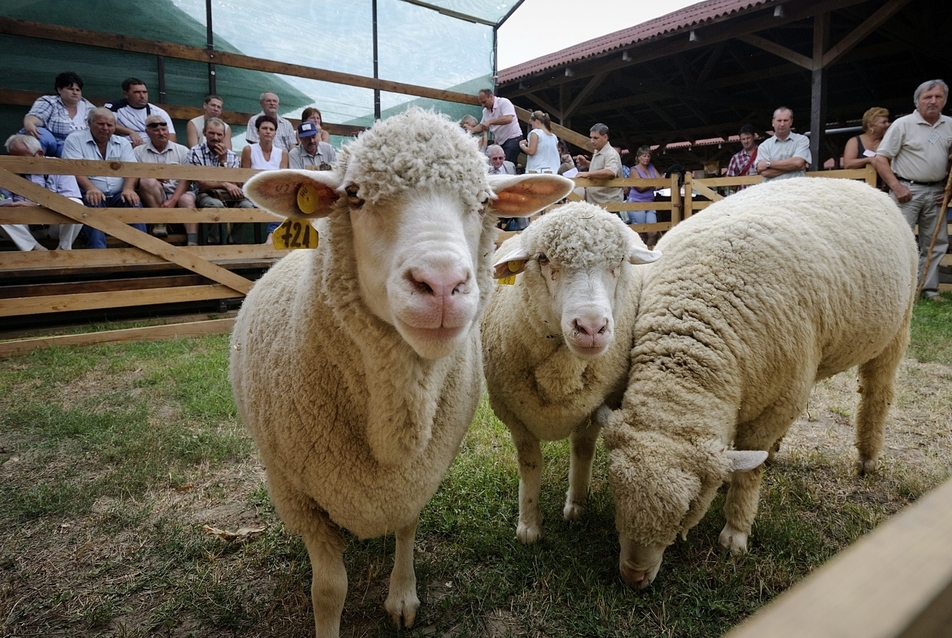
(556, 343)
(757, 298)
(357, 365)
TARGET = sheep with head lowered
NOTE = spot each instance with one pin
(757, 298)
(357, 365)
(556, 343)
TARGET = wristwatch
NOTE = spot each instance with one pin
(768, 163)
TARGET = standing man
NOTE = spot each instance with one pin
(913, 160)
(65, 185)
(132, 110)
(284, 138)
(164, 193)
(744, 162)
(498, 164)
(786, 154)
(499, 116)
(311, 151)
(100, 142)
(605, 164)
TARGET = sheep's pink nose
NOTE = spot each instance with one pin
(441, 284)
(591, 327)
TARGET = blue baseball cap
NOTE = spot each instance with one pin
(307, 129)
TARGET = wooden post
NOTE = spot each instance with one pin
(688, 194)
(821, 37)
(676, 204)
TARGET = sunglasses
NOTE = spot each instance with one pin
(156, 125)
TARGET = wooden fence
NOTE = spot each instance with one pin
(213, 267)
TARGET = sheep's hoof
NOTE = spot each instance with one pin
(869, 466)
(528, 534)
(572, 510)
(734, 540)
(402, 607)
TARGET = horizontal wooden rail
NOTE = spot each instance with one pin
(114, 299)
(895, 582)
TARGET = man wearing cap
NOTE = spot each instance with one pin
(164, 193)
(311, 152)
(913, 160)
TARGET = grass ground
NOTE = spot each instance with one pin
(114, 459)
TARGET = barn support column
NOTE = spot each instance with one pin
(818, 90)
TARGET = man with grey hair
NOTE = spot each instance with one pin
(913, 160)
(498, 164)
(605, 164)
(164, 193)
(65, 185)
(284, 138)
(100, 142)
(786, 154)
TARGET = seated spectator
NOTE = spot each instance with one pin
(132, 110)
(53, 117)
(65, 185)
(264, 155)
(164, 193)
(311, 152)
(285, 137)
(645, 170)
(212, 152)
(498, 164)
(468, 123)
(99, 142)
(311, 114)
(860, 150)
(213, 106)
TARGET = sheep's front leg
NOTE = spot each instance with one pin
(530, 485)
(580, 468)
(329, 581)
(740, 509)
(402, 602)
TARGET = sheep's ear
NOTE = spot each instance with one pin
(524, 195)
(294, 194)
(745, 460)
(510, 259)
(638, 253)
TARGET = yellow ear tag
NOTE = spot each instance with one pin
(295, 233)
(507, 281)
(307, 199)
(515, 266)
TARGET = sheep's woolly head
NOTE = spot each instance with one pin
(414, 150)
(580, 234)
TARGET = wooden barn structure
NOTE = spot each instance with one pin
(688, 80)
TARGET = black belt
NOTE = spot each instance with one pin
(912, 181)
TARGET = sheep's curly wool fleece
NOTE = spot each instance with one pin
(415, 150)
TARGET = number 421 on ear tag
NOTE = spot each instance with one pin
(295, 233)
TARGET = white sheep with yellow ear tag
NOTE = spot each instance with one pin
(556, 342)
(357, 365)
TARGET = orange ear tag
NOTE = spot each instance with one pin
(307, 199)
(295, 233)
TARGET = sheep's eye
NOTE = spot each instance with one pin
(352, 198)
(543, 260)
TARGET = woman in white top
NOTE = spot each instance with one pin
(542, 146)
(193, 130)
(264, 155)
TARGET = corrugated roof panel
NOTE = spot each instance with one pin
(691, 16)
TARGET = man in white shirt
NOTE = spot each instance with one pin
(133, 109)
(913, 160)
(164, 193)
(786, 154)
(499, 116)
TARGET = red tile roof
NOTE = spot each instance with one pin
(694, 15)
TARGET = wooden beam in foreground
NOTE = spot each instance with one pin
(149, 333)
(894, 582)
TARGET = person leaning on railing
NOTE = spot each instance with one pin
(53, 117)
(212, 152)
